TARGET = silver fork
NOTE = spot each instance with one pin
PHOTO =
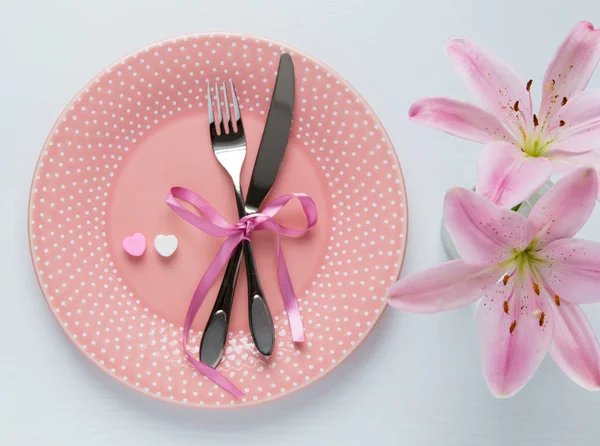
(229, 146)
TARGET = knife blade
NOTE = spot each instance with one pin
(272, 147)
(275, 135)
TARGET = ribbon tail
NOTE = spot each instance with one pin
(290, 301)
(215, 376)
(202, 289)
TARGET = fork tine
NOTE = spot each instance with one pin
(211, 114)
(236, 107)
(227, 111)
(219, 112)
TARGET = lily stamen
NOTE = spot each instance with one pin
(529, 82)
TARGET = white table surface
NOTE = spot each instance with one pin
(416, 380)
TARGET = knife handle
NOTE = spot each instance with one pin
(215, 332)
(261, 322)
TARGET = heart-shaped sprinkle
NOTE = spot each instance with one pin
(135, 245)
(165, 245)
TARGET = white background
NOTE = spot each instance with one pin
(416, 380)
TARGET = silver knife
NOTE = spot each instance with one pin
(270, 154)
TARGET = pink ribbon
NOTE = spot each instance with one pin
(213, 223)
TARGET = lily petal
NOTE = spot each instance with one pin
(507, 177)
(459, 119)
(493, 82)
(566, 162)
(577, 125)
(571, 69)
(566, 207)
(574, 346)
(571, 267)
(514, 333)
(445, 287)
(484, 233)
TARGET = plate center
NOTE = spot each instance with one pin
(179, 153)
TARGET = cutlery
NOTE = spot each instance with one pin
(230, 150)
(270, 154)
(229, 146)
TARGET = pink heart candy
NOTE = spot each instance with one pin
(135, 245)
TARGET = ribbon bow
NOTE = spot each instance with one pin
(213, 223)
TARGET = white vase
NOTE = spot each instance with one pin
(524, 209)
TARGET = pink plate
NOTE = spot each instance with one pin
(140, 127)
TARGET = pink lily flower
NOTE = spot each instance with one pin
(524, 147)
(531, 275)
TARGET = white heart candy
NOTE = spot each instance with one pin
(165, 245)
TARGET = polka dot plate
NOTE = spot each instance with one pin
(140, 127)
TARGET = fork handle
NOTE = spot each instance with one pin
(215, 332)
(261, 322)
